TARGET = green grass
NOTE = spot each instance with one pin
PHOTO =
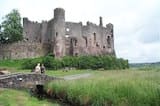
(106, 88)
(57, 73)
(10, 97)
(16, 66)
(134, 87)
(11, 63)
(61, 73)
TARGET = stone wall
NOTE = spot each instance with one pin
(31, 30)
(24, 80)
(89, 40)
(74, 40)
(23, 50)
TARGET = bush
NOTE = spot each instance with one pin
(81, 62)
(48, 61)
(31, 63)
(68, 61)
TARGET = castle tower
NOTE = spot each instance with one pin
(59, 32)
(110, 38)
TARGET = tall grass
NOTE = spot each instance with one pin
(111, 88)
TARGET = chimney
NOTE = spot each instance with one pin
(100, 21)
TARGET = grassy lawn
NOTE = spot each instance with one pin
(61, 73)
(57, 73)
(10, 97)
(133, 87)
(106, 88)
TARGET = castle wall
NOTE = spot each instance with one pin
(48, 36)
(61, 38)
(31, 30)
(90, 39)
(93, 34)
(109, 39)
(23, 50)
(74, 40)
(45, 38)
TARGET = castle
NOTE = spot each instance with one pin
(61, 38)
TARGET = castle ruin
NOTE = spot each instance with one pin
(61, 38)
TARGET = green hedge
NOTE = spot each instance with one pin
(31, 63)
(80, 62)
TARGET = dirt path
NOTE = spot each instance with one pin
(77, 76)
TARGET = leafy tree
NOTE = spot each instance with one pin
(11, 28)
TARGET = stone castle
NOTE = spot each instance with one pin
(61, 38)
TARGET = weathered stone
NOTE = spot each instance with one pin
(24, 80)
(61, 38)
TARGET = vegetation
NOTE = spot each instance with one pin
(11, 63)
(81, 62)
(11, 28)
(134, 87)
(106, 88)
(10, 97)
(61, 73)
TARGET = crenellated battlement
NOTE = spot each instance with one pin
(62, 38)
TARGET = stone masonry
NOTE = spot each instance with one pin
(61, 38)
(21, 80)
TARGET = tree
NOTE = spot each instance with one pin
(11, 28)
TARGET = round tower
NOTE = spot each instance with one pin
(59, 32)
(59, 14)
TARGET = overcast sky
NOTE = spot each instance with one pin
(136, 22)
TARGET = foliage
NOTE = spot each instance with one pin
(11, 28)
(11, 63)
(69, 61)
(110, 88)
(31, 63)
(81, 62)
(51, 63)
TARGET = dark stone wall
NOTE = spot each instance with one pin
(23, 50)
(24, 80)
(31, 30)
(90, 39)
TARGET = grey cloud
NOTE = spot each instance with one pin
(150, 33)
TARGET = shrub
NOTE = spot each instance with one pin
(80, 62)
(31, 63)
(68, 61)
(48, 61)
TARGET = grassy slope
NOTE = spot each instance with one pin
(119, 88)
(10, 97)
